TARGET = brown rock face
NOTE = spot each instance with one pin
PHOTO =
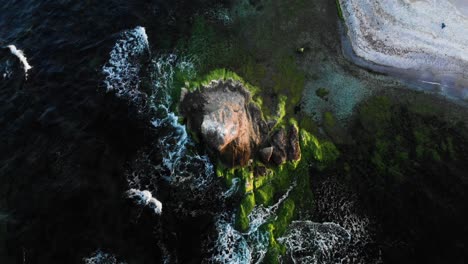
(294, 149)
(285, 146)
(233, 128)
(225, 119)
(279, 142)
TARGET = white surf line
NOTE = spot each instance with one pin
(20, 55)
(428, 82)
(122, 71)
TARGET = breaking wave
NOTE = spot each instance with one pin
(145, 198)
(232, 246)
(20, 55)
(314, 243)
(233, 189)
(122, 71)
(181, 164)
(345, 236)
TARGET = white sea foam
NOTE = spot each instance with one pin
(163, 70)
(20, 55)
(100, 257)
(339, 206)
(174, 144)
(182, 166)
(314, 243)
(231, 246)
(260, 214)
(145, 198)
(176, 141)
(335, 203)
(7, 70)
(233, 189)
(122, 71)
(188, 171)
(122, 75)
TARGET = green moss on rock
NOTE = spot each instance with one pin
(284, 217)
(228, 174)
(211, 47)
(275, 250)
(321, 153)
(339, 10)
(245, 208)
(289, 81)
(264, 195)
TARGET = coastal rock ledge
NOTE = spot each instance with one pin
(232, 127)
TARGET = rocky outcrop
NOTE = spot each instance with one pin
(225, 119)
(285, 146)
(278, 141)
(293, 150)
(232, 127)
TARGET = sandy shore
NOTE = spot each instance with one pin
(427, 39)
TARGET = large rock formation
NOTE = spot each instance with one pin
(233, 127)
(226, 120)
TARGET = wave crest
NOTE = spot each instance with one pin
(122, 71)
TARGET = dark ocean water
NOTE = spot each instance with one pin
(66, 143)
